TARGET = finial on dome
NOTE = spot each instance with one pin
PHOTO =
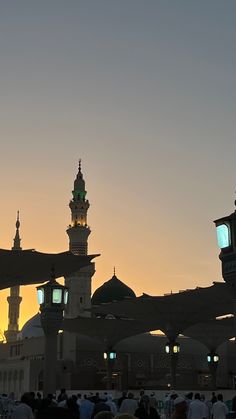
(18, 220)
(114, 271)
(79, 165)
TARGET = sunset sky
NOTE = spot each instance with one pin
(144, 91)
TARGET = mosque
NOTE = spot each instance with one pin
(141, 362)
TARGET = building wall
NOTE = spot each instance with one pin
(141, 362)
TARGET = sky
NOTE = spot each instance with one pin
(144, 93)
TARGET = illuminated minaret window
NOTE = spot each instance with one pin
(78, 231)
(14, 299)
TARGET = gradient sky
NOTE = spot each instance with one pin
(144, 91)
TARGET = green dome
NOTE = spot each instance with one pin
(112, 290)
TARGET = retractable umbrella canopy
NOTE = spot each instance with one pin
(174, 313)
(109, 331)
(31, 267)
(212, 333)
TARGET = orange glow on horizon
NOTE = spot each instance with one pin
(148, 101)
(147, 260)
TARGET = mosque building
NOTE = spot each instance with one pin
(141, 360)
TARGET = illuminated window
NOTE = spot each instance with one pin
(175, 349)
(40, 295)
(57, 296)
(66, 297)
(167, 348)
(223, 235)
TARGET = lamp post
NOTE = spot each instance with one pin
(173, 348)
(226, 237)
(52, 298)
(213, 359)
(109, 357)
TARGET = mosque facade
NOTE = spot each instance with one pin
(141, 360)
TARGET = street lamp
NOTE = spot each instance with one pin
(52, 294)
(213, 359)
(226, 235)
(173, 349)
(226, 238)
(109, 357)
(52, 298)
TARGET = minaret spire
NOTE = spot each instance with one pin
(14, 299)
(17, 239)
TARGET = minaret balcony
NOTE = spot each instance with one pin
(86, 226)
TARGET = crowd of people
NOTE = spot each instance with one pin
(92, 406)
(97, 406)
(194, 406)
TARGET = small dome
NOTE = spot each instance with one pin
(32, 328)
(112, 290)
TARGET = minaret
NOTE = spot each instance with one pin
(78, 231)
(14, 299)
